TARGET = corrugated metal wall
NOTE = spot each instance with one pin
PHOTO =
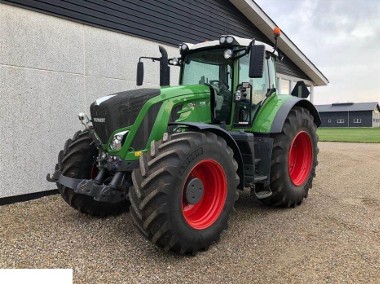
(170, 22)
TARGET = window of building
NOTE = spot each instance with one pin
(340, 120)
(357, 120)
(284, 87)
(329, 121)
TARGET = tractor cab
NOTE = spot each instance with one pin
(239, 71)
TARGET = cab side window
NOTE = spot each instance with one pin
(259, 85)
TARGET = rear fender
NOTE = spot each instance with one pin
(284, 110)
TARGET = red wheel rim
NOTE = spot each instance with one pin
(300, 158)
(203, 214)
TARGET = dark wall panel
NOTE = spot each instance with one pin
(287, 67)
(329, 119)
(170, 22)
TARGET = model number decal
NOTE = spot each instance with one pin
(189, 159)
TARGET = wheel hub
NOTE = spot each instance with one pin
(194, 191)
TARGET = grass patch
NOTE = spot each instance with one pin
(359, 135)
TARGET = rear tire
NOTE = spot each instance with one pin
(294, 159)
(160, 206)
(77, 160)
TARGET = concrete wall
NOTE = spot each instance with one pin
(50, 70)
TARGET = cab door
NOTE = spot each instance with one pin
(250, 92)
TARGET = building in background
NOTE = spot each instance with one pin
(350, 115)
(59, 56)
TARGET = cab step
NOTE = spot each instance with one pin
(267, 192)
(259, 178)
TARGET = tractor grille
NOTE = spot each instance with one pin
(118, 111)
(142, 135)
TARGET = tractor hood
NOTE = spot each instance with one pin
(121, 110)
(118, 110)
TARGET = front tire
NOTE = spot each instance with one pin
(184, 191)
(294, 159)
(78, 160)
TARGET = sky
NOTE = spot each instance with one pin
(341, 37)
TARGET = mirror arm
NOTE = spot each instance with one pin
(248, 48)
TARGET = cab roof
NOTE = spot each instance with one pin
(237, 41)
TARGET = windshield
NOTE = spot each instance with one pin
(210, 67)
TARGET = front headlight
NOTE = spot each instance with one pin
(118, 140)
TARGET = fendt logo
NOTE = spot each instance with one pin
(99, 119)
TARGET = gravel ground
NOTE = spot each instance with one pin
(332, 237)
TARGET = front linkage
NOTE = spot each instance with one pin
(114, 192)
(113, 178)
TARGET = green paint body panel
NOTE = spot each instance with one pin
(195, 102)
(267, 113)
(195, 107)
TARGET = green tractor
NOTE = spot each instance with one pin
(177, 157)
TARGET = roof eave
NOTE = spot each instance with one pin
(265, 24)
(370, 106)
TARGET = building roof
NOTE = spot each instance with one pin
(338, 107)
(263, 22)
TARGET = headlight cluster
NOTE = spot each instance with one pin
(226, 39)
(118, 140)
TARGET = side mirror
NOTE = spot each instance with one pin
(164, 68)
(300, 90)
(256, 61)
(140, 73)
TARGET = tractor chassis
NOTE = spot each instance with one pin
(255, 150)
